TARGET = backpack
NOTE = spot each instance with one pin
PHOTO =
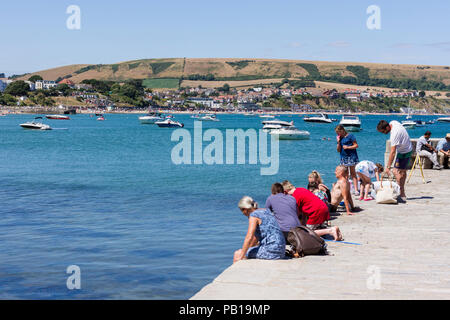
(305, 241)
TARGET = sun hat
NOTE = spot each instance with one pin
(447, 136)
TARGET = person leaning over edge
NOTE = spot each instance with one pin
(400, 144)
(264, 239)
(443, 147)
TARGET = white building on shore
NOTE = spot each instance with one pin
(45, 84)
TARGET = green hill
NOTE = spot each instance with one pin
(173, 71)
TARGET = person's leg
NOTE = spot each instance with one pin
(400, 176)
(431, 156)
(354, 178)
(363, 183)
(333, 231)
(365, 187)
(445, 162)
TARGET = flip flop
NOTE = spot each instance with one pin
(369, 199)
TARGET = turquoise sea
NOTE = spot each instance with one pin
(105, 196)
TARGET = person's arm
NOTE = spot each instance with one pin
(250, 237)
(353, 146)
(339, 144)
(390, 160)
(268, 205)
(431, 147)
(304, 219)
(377, 175)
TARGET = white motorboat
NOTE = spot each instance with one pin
(34, 125)
(350, 122)
(279, 122)
(444, 119)
(321, 118)
(290, 133)
(169, 123)
(208, 117)
(275, 124)
(409, 124)
(267, 116)
(151, 118)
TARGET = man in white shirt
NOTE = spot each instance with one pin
(425, 149)
(400, 144)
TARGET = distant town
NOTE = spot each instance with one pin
(37, 95)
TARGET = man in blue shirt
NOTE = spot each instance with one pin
(443, 147)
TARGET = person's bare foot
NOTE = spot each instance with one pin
(336, 233)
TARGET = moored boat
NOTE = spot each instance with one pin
(151, 118)
(57, 117)
(320, 118)
(208, 117)
(290, 133)
(350, 122)
(409, 124)
(443, 119)
(169, 123)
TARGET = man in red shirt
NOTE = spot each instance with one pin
(314, 212)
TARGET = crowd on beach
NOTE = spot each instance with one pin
(289, 207)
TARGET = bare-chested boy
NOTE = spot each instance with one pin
(341, 191)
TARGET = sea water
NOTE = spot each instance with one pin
(105, 196)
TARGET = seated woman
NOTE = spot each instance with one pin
(366, 171)
(314, 177)
(284, 208)
(262, 228)
(315, 188)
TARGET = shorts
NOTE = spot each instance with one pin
(323, 225)
(349, 161)
(402, 160)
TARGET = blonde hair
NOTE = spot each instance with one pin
(247, 203)
(316, 175)
(287, 186)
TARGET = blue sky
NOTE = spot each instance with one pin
(35, 36)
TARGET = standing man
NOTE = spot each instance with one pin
(425, 149)
(444, 148)
(400, 144)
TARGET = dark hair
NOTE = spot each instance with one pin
(428, 133)
(277, 188)
(340, 127)
(313, 186)
(380, 167)
(382, 125)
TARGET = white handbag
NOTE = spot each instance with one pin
(386, 194)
